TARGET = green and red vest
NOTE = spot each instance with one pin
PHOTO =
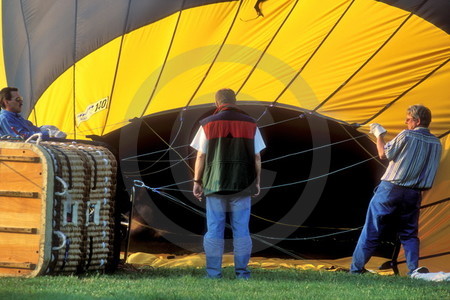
(230, 155)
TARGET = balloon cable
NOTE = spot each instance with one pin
(257, 237)
(170, 147)
(362, 147)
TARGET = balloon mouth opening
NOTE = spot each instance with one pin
(317, 180)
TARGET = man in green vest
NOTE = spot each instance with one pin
(227, 172)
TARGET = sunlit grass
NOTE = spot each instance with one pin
(189, 283)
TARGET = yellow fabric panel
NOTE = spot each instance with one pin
(94, 75)
(415, 51)
(427, 93)
(245, 44)
(3, 81)
(199, 35)
(189, 72)
(198, 260)
(141, 59)
(362, 30)
(434, 232)
(294, 44)
(55, 106)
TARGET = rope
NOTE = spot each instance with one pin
(65, 186)
(131, 158)
(282, 121)
(63, 239)
(318, 177)
(157, 229)
(178, 161)
(309, 238)
(365, 150)
(298, 226)
(138, 183)
(35, 135)
(313, 149)
(285, 184)
(141, 184)
(169, 145)
(150, 153)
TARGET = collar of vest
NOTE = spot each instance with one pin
(228, 106)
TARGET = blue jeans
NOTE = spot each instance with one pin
(398, 204)
(239, 209)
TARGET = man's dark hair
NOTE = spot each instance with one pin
(226, 96)
(5, 94)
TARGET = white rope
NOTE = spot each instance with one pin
(141, 184)
(39, 138)
(312, 149)
(308, 238)
(65, 187)
(62, 237)
(150, 153)
(318, 177)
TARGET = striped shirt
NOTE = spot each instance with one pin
(413, 158)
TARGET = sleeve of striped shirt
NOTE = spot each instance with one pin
(392, 148)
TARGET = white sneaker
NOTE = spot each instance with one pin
(421, 270)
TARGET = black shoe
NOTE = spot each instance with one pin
(363, 271)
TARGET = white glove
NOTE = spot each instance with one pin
(53, 131)
(376, 129)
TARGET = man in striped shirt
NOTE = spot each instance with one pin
(413, 156)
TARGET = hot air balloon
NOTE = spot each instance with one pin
(138, 75)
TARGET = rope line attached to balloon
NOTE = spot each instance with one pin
(191, 155)
(138, 183)
(364, 148)
(166, 187)
(318, 177)
(165, 151)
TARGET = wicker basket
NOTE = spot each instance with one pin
(56, 208)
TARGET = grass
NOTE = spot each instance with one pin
(188, 283)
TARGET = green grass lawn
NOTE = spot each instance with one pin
(188, 283)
